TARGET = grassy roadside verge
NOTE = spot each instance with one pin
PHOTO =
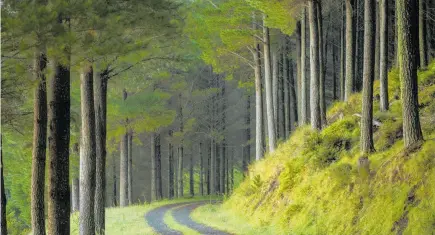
(215, 216)
(131, 220)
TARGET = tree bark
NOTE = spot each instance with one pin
(267, 77)
(59, 205)
(176, 173)
(153, 168)
(130, 167)
(322, 64)
(201, 170)
(383, 55)
(377, 39)
(3, 222)
(304, 82)
(191, 179)
(342, 54)
(171, 167)
(115, 192)
(123, 169)
(87, 153)
(212, 168)
(275, 86)
(259, 151)
(334, 73)
(314, 66)
(281, 133)
(286, 87)
(407, 19)
(247, 146)
(75, 195)
(158, 156)
(180, 172)
(349, 71)
(100, 100)
(298, 69)
(422, 33)
(367, 145)
(39, 145)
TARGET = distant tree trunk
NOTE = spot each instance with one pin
(407, 19)
(383, 55)
(334, 73)
(356, 45)
(130, 166)
(218, 166)
(298, 68)
(281, 93)
(176, 173)
(314, 64)
(342, 54)
(100, 100)
(39, 145)
(377, 39)
(222, 169)
(275, 81)
(247, 146)
(422, 21)
(367, 145)
(267, 77)
(75, 195)
(3, 222)
(322, 64)
(191, 179)
(349, 71)
(212, 168)
(232, 171)
(87, 153)
(180, 172)
(431, 28)
(223, 153)
(201, 171)
(158, 157)
(123, 168)
(115, 192)
(259, 151)
(286, 89)
(293, 98)
(59, 204)
(171, 167)
(209, 168)
(304, 82)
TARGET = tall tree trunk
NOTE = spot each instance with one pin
(367, 145)
(153, 168)
(304, 82)
(342, 54)
(123, 168)
(431, 28)
(247, 147)
(191, 179)
(286, 87)
(267, 77)
(281, 105)
(222, 169)
(293, 107)
(158, 156)
(115, 192)
(383, 55)
(407, 19)
(100, 100)
(3, 222)
(176, 173)
(377, 39)
(334, 73)
(322, 64)
(87, 153)
(259, 151)
(349, 71)
(39, 145)
(223, 153)
(314, 65)
(59, 204)
(356, 45)
(211, 169)
(201, 170)
(180, 172)
(422, 21)
(130, 167)
(75, 195)
(298, 69)
(171, 167)
(275, 85)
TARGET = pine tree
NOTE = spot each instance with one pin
(383, 55)
(349, 71)
(314, 66)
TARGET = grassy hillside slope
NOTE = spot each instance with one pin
(312, 183)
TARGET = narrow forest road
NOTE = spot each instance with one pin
(181, 213)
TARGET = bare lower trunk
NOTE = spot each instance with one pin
(75, 191)
(422, 21)
(87, 153)
(349, 78)
(171, 167)
(3, 223)
(286, 87)
(314, 66)
(407, 17)
(342, 54)
(268, 83)
(123, 174)
(201, 170)
(322, 64)
(304, 82)
(100, 100)
(59, 205)
(209, 168)
(39, 146)
(115, 192)
(259, 151)
(383, 55)
(367, 145)
(158, 156)
(130, 167)
(247, 147)
(275, 85)
(180, 172)
(191, 179)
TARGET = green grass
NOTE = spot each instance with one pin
(131, 220)
(312, 184)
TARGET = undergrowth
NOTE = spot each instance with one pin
(311, 184)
